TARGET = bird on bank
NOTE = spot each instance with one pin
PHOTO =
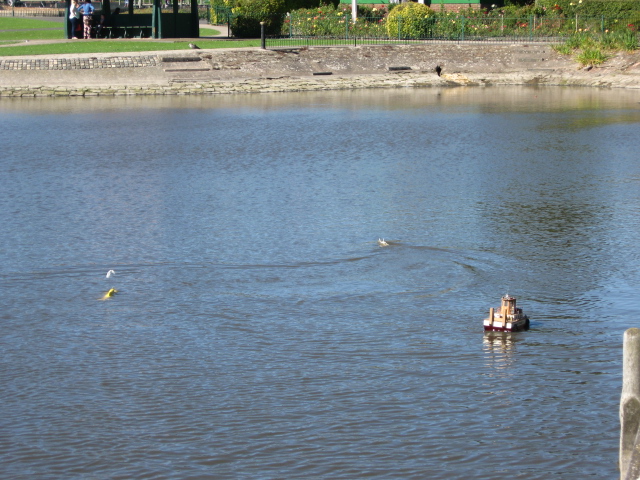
(438, 69)
(382, 243)
(194, 46)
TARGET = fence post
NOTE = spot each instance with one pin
(630, 405)
(263, 40)
(347, 21)
(462, 28)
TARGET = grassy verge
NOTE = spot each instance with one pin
(118, 46)
(590, 50)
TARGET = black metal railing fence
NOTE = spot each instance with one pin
(305, 30)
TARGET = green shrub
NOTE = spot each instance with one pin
(247, 15)
(513, 11)
(410, 20)
(515, 3)
(596, 8)
(220, 12)
(371, 14)
(292, 5)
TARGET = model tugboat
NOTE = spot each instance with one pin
(508, 318)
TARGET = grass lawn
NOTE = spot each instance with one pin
(209, 32)
(119, 46)
(21, 29)
(12, 23)
(57, 34)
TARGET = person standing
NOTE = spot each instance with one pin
(87, 12)
(74, 17)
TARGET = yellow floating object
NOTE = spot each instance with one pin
(110, 294)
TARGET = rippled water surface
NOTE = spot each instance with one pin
(260, 332)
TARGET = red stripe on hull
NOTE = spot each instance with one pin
(514, 328)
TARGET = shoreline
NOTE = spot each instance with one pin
(252, 70)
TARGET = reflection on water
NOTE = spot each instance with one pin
(259, 331)
(583, 102)
(500, 352)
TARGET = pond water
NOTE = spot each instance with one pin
(260, 332)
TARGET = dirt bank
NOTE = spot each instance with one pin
(315, 68)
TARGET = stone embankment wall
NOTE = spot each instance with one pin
(305, 69)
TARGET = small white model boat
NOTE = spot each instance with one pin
(508, 318)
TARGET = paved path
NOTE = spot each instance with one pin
(224, 31)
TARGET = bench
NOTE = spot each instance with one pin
(125, 31)
(126, 26)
